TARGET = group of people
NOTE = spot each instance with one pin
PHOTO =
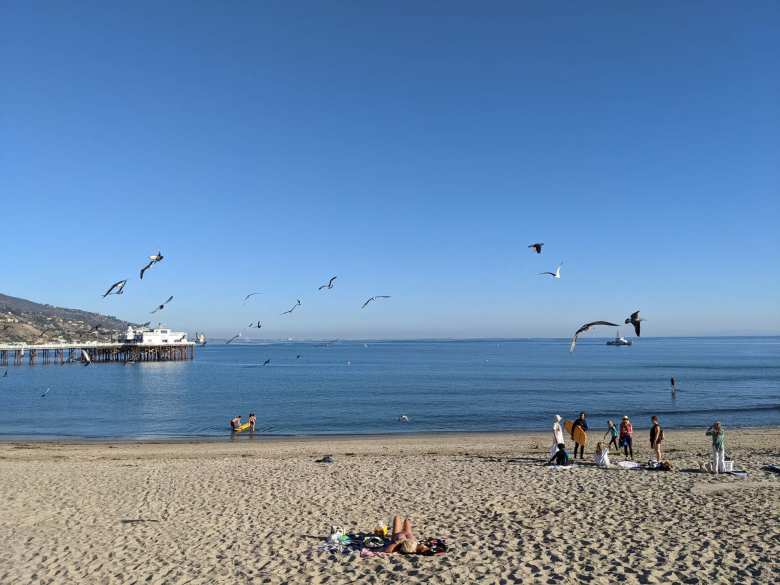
(236, 424)
(623, 437)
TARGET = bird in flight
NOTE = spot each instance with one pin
(119, 286)
(556, 274)
(297, 357)
(250, 295)
(374, 299)
(297, 304)
(6, 372)
(330, 283)
(585, 328)
(634, 320)
(537, 246)
(266, 362)
(45, 393)
(232, 339)
(85, 357)
(258, 325)
(161, 307)
(153, 259)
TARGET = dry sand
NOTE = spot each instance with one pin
(255, 511)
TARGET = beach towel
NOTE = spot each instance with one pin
(556, 467)
(370, 545)
(629, 464)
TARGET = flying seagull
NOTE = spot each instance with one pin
(403, 418)
(232, 339)
(119, 286)
(586, 327)
(537, 246)
(161, 307)
(250, 295)
(85, 357)
(6, 372)
(297, 357)
(259, 325)
(297, 304)
(45, 393)
(556, 274)
(635, 320)
(374, 299)
(266, 362)
(153, 259)
(330, 283)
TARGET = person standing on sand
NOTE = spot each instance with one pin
(656, 437)
(626, 437)
(613, 435)
(718, 447)
(580, 422)
(557, 435)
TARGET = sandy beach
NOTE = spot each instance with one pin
(258, 510)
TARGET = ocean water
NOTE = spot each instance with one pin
(356, 388)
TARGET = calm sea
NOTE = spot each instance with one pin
(357, 388)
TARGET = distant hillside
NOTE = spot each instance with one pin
(30, 322)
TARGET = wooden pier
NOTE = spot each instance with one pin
(57, 353)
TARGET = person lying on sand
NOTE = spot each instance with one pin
(403, 540)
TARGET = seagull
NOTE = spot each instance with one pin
(587, 326)
(119, 286)
(153, 259)
(297, 304)
(232, 339)
(161, 307)
(374, 299)
(537, 246)
(556, 274)
(6, 372)
(634, 320)
(297, 357)
(252, 324)
(403, 418)
(45, 393)
(330, 283)
(250, 295)
(266, 362)
(85, 357)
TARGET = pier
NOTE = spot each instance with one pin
(98, 352)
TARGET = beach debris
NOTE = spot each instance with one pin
(634, 319)
(374, 298)
(161, 307)
(329, 285)
(250, 295)
(325, 459)
(297, 304)
(118, 288)
(537, 246)
(585, 328)
(556, 274)
(153, 259)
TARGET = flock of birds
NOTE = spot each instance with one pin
(118, 288)
(634, 319)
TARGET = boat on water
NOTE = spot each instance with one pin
(619, 340)
(200, 338)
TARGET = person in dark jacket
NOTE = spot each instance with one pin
(580, 422)
(561, 457)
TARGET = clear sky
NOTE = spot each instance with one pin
(414, 149)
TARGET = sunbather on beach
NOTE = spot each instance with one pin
(561, 457)
(404, 540)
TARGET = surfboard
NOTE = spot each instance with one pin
(243, 427)
(579, 436)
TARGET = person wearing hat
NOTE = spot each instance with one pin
(626, 441)
(557, 435)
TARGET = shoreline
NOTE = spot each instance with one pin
(258, 436)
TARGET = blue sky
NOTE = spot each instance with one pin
(413, 149)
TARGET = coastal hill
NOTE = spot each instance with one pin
(26, 321)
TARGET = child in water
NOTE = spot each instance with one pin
(252, 420)
(612, 431)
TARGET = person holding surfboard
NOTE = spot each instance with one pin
(579, 423)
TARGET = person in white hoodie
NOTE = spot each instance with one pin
(601, 457)
(557, 435)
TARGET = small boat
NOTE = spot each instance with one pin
(200, 339)
(619, 340)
